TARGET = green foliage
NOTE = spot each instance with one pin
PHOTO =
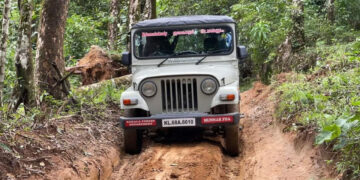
(354, 55)
(10, 74)
(262, 26)
(107, 93)
(189, 7)
(92, 8)
(92, 102)
(87, 24)
(5, 147)
(260, 32)
(331, 103)
(348, 13)
(81, 33)
(318, 28)
(17, 120)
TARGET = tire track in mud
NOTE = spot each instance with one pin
(191, 161)
(267, 153)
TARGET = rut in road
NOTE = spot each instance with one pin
(267, 152)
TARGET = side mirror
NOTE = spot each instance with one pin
(242, 52)
(126, 59)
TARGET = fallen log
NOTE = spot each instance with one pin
(120, 82)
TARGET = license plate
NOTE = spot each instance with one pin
(179, 122)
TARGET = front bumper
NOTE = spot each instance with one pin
(180, 120)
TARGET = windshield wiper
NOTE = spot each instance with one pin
(175, 54)
(162, 62)
(199, 61)
(209, 53)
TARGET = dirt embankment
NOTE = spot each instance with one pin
(65, 148)
(267, 152)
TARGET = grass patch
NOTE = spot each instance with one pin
(330, 101)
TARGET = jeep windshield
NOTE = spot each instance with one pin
(174, 42)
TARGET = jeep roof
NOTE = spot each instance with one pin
(183, 20)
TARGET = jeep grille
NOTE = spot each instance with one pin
(179, 95)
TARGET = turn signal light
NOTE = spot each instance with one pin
(128, 102)
(227, 97)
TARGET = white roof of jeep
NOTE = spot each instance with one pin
(183, 20)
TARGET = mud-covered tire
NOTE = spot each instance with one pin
(132, 141)
(132, 137)
(231, 136)
(232, 140)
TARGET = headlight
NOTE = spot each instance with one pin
(208, 86)
(148, 89)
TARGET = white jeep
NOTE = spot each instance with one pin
(185, 74)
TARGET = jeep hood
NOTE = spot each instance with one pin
(228, 72)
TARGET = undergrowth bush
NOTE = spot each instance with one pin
(91, 104)
(328, 99)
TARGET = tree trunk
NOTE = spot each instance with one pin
(50, 64)
(141, 10)
(113, 24)
(288, 56)
(297, 35)
(330, 11)
(3, 46)
(24, 90)
(150, 10)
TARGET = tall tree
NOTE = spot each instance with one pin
(3, 46)
(50, 63)
(330, 8)
(297, 35)
(140, 10)
(288, 53)
(24, 89)
(113, 24)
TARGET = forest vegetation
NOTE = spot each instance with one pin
(315, 42)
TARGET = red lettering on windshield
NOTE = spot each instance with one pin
(147, 34)
(188, 32)
(208, 31)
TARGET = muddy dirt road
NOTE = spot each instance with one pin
(267, 152)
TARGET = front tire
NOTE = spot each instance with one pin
(132, 137)
(232, 140)
(231, 136)
(232, 133)
(132, 141)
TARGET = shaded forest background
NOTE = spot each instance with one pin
(318, 40)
